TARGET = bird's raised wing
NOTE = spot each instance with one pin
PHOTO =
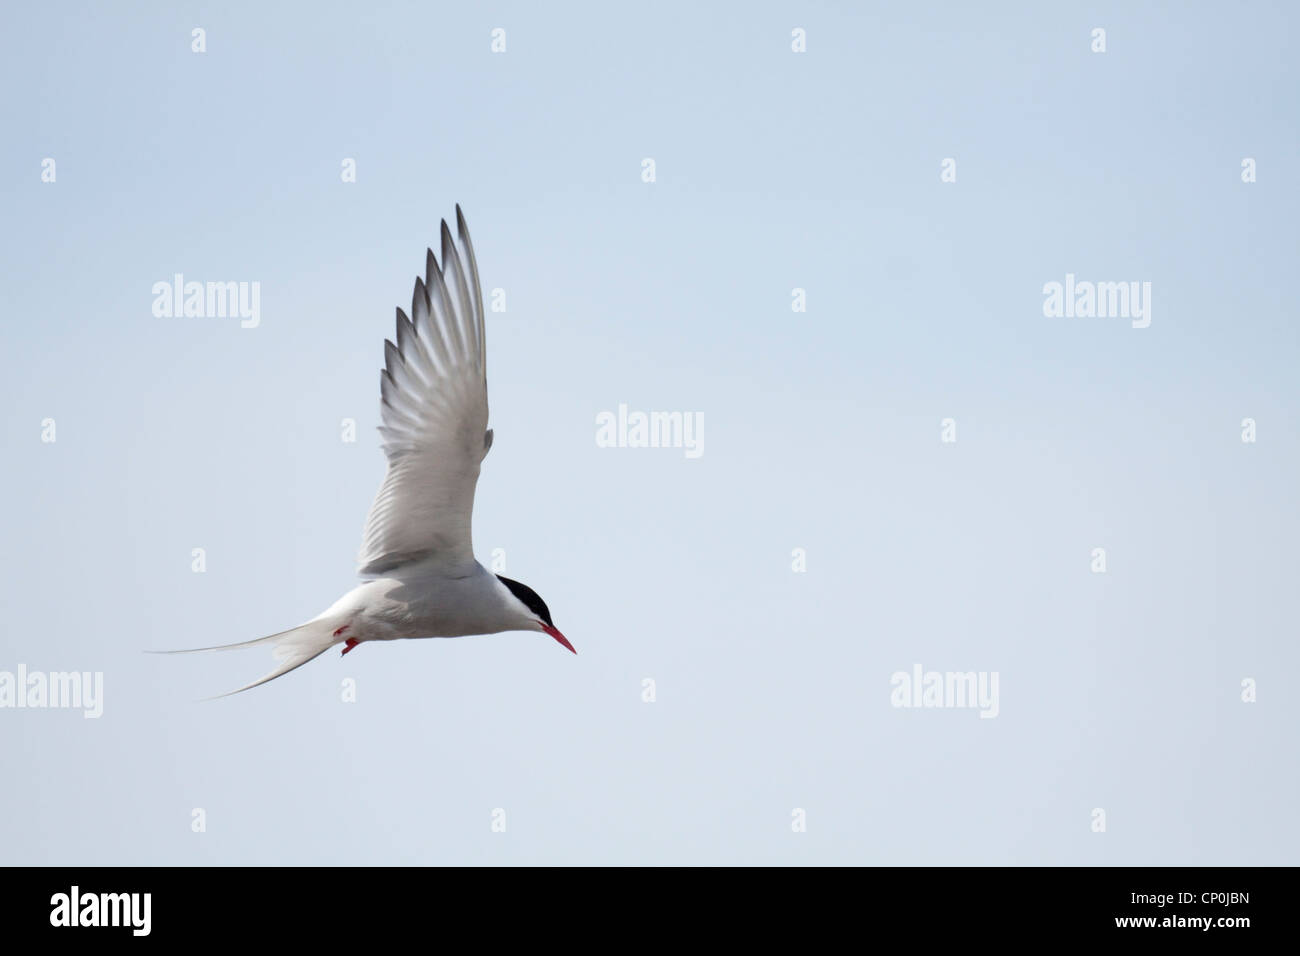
(435, 413)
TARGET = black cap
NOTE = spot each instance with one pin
(530, 598)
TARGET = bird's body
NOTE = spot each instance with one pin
(416, 553)
(421, 601)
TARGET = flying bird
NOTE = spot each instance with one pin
(417, 560)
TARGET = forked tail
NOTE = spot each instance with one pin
(292, 648)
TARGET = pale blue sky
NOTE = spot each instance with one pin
(775, 170)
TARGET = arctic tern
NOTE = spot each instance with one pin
(421, 578)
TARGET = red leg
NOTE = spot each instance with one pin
(351, 642)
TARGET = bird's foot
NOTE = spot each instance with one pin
(349, 644)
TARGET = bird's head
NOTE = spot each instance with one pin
(533, 611)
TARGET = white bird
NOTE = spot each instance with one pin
(416, 553)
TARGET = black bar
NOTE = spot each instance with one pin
(216, 905)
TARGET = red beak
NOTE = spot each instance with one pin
(555, 633)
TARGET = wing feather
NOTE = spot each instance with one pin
(462, 230)
(433, 403)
